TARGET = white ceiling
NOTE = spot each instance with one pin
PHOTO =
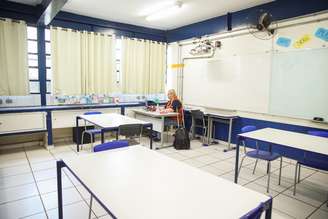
(127, 11)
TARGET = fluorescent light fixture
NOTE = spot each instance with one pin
(165, 12)
(156, 7)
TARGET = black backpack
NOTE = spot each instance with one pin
(181, 137)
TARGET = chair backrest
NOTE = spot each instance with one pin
(197, 114)
(255, 213)
(92, 113)
(248, 128)
(111, 145)
(130, 130)
(319, 133)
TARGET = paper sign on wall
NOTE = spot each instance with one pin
(322, 33)
(283, 41)
(302, 41)
(177, 65)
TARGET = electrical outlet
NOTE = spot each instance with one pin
(8, 101)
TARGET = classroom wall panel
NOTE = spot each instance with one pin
(239, 76)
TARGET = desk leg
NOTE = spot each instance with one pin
(77, 135)
(102, 136)
(162, 131)
(209, 130)
(229, 135)
(193, 129)
(237, 160)
(151, 137)
(268, 212)
(60, 165)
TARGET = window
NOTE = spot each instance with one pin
(32, 49)
(118, 57)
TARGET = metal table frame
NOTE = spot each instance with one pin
(111, 129)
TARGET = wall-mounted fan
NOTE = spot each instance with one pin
(260, 25)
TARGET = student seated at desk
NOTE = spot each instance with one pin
(173, 105)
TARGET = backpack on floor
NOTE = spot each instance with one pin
(181, 137)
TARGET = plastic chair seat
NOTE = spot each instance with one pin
(111, 145)
(263, 155)
(93, 131)
(321, 165)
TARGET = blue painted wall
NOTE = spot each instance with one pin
(281, 9)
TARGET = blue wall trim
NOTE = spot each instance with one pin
(18, 11)
(99, 25)
(42, 64)
(281, 9)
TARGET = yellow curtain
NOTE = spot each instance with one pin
(97, 63)
(66, 61)
(143, 66)
(13, 58)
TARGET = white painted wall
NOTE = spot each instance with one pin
(238, 77)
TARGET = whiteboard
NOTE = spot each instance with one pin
(299, 84)
(229, 82)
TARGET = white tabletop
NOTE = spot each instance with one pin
(155, 114)
(223, 114)
(138, 183)
(290, 139)
(108, 120)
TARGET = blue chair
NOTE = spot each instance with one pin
(309, 162)
(111, 145)
(260, 155)
(91, 132)
(255, 213)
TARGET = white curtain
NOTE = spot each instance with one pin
(143, 66)
(82, 62)
(66, 61)
(97, 63)
(157, 68)
(13, 58)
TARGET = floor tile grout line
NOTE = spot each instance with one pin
(284, 212)
(80, 193)
(74, 186)
(37, 187)
(20, 199)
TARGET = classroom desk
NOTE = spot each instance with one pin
(111, 122)
(226, 118)
(156, 118)
(138, 183)
(287, 139)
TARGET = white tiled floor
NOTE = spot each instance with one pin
(28, 182)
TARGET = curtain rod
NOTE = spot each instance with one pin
(13, 20)
(89, 32)
(142, 40)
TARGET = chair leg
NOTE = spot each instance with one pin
(280, 168)
(295, 179)
(90, 207)
(241, 164)
(299, 174)
(255, 166)
(82, 140)
(268, 165)
(92, 139)
(204, 135)
(269, 174)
